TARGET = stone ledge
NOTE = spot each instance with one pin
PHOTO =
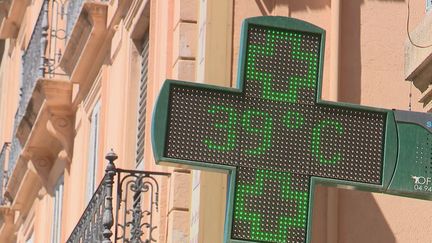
(85, 41)
(49, 95)
(185, 11)
(7, 216)
(11, 16)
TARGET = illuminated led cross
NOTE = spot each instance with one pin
(273, 134)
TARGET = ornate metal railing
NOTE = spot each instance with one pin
(90, 228)
(33, 60)
(138, 199)
(14, 153)
(137, 195)
(57, 37)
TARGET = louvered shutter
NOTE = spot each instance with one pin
(142, 101)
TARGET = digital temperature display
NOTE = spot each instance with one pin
(275, 133)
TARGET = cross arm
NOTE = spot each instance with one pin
(160, 121)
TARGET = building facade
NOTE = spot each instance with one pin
(80, 77)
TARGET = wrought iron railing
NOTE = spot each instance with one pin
(137, 200)
(14, 153)
(90, 228)
(33, 60)
(57, 37)
(3, 175)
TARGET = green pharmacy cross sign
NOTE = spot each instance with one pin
(277, 139)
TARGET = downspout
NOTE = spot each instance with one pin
(332, 193)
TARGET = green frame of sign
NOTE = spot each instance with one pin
(160, 124)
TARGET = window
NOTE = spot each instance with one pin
(57, 211)
(142, 101)
(428, 5)
(93, 151)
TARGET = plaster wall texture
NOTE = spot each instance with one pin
(198, 40)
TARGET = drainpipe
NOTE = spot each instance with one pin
(332, 193)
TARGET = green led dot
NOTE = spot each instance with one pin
(316, 141)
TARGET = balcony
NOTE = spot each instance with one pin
(32, 69)
(43, 120)
(86, 29)
(137, 202)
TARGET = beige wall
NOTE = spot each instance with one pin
(198, 40)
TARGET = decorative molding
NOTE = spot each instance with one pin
(40, 161)
(46, 133)
(61, 128)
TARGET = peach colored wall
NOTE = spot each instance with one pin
(372, 56)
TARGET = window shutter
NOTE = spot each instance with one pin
(142, 101)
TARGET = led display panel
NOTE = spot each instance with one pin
(275, 134)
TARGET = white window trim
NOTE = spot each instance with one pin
(57, 211)
(92, 164)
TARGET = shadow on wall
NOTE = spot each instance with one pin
(350, 61)
(360, 221)
(267, 6)
(365, 222)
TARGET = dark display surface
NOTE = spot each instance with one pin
(275, 134)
